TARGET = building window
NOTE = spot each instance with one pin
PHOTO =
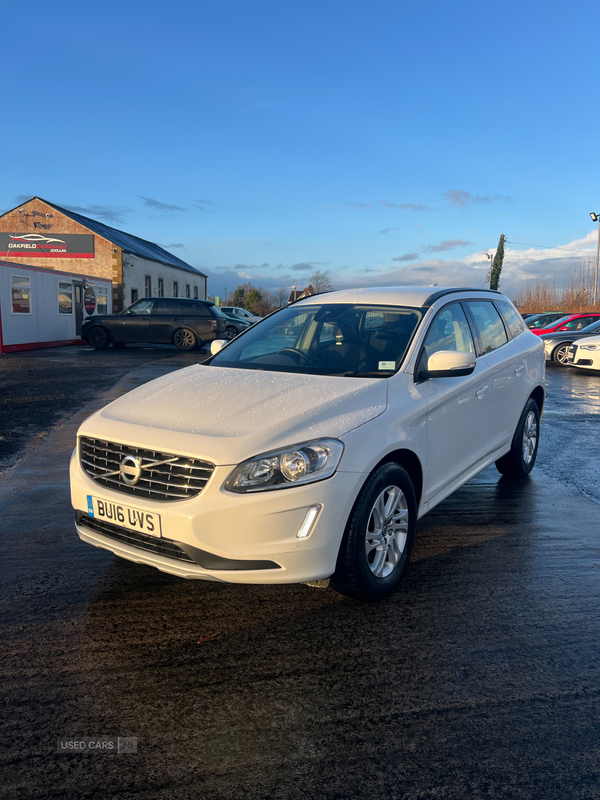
(21, 295)
(102, 301)
(175, 289)
(187, 290)
(134, 295)
(65, 298)
(195, 292)
(161, 287)
(148, 286)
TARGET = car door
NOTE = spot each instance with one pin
(506, 371)
(198, 317)
(135, 322)
(458, 409)
(163, 321)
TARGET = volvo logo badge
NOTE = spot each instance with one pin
(130, 469)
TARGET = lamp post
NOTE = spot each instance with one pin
(596, 218)
(489, 275)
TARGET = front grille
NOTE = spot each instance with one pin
(162, 547)
(164, 476)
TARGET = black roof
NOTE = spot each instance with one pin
(126, 241)
(436, 295)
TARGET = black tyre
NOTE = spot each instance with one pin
(561, 355)
(520, 459)
(98, 337)
(184, 339)
(231, 332)
(379, 536)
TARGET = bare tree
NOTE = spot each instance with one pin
(280, 296)
(320, 281)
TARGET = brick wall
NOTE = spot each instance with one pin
(100, 266)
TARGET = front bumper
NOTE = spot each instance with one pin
(218, 526)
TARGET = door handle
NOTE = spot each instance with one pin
(519, 369)
(480, 392)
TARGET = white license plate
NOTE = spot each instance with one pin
(125, 516)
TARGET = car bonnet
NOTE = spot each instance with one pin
(226, 415)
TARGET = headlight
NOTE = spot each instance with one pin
(290, 466)
(589, 346)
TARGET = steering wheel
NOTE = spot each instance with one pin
(298, 353)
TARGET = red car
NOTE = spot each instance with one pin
(572, 322)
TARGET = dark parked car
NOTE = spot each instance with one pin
(557, 344)
(165, 320)
(235, 325)
(543, 319)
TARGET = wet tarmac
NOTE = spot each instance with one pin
(480, 678)
(39, 388)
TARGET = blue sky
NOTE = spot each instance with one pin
(382, 142)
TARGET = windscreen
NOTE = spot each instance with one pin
(326, 339)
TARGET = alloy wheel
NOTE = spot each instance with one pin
(184, 339)
(562, 355)
(387, 531)
(530, 436)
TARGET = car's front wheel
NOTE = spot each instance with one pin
(98, 337)
(520, 459)
(184, 339)
(231, 332)
(561, 355)
(379, 536)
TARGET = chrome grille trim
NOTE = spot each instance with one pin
(180, 479)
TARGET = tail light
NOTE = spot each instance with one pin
(214, 324)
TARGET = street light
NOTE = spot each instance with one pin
(489, 275)
(596, 218)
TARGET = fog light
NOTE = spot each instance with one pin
(309, 522)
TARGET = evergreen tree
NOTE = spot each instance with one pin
(238, 297)
(254, 296)
(496, 268)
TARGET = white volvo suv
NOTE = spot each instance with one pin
(308, 447)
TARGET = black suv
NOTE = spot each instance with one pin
(166, 320)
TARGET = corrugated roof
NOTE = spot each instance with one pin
(127, 241)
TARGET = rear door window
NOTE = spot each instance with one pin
(513, 321)
(489, 325)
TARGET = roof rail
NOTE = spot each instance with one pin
(436, 295)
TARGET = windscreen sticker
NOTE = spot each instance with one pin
(387, 365)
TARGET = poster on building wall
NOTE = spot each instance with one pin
(38, 245)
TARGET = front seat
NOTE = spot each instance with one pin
(346, 353)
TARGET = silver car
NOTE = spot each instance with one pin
(557, 344)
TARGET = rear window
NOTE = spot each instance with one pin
(513, 321)
(489, 324)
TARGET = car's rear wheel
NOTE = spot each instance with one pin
(184, 339)
(379, 536)
(231, 332)
(561, 355)
(520, 459)
(98, 337)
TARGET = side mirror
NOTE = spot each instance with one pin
(216, 345)
(564, 328)
(450, 364)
